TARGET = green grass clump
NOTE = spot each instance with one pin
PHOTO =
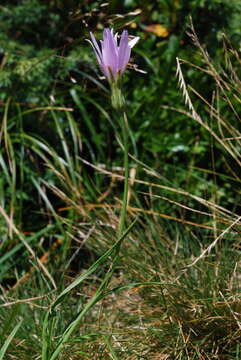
(155, 305)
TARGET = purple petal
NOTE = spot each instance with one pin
(124, 51)
(95, 43)
(110, 52)
(96, 48)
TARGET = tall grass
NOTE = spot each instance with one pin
(175, 290)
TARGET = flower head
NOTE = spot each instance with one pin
(112, 56)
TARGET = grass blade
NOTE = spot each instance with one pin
(9, 339)
(100, 293)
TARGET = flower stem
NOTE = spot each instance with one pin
(117, 99)
(125, 131)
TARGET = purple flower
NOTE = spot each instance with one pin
(113, 57)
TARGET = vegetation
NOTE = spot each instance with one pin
(169, 286)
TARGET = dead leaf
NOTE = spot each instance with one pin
(158, 30)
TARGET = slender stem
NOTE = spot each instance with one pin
(124, 126)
